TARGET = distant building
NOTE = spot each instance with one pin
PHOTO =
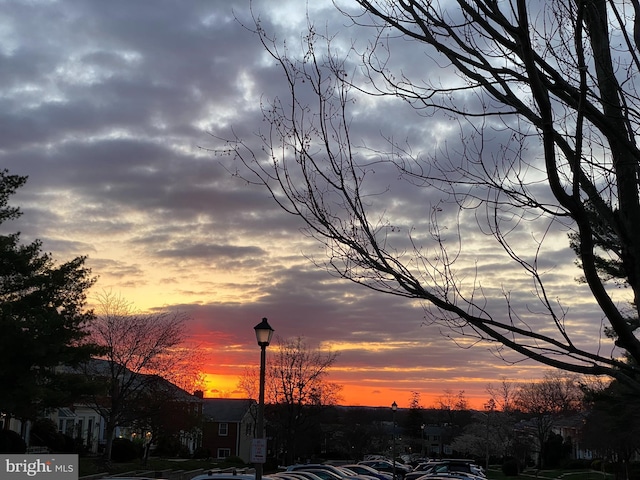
(228, 426)
(433, 441)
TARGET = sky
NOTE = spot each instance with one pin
(113, 110)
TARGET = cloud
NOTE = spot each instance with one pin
(106, 107)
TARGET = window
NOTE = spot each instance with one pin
(248, 429)
(223, 430)
(224, 452)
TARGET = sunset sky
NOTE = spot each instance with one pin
(109, 107)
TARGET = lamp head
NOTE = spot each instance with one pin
(263, 333)
(394, 406)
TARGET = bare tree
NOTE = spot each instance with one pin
(546, 401)
(503, 395)
(554, 83)
(296, 387)
(453, 408)
(140, 347)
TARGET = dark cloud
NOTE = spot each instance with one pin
(115, 110)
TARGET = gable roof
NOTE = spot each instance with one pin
(98, 367)
(230, 410)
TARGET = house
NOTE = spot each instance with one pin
(82, 423)
(156, 405)
(570, 427)
(432, 441)
(228, 426)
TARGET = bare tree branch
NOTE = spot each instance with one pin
(548, 112)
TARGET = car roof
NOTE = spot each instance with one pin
(302, 473)
(359, 465)
(323, 472)
(322, 466)
(227, 476)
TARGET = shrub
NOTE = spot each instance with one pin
(167, 447)
(202, 453)
(124, 450)
(44, 433)
(11, 442)
(510, 467)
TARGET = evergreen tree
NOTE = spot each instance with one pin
(612, 428)
(42, 319)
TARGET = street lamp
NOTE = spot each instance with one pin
(263, 336)
(422, 438)
(394, 408)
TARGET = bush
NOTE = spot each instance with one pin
(44, 433)
(510, 467)
(11, 442)
(202, 453)
(124, 450)
(167, 447)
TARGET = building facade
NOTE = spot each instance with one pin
(228, 426)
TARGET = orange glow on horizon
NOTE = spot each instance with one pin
(354, 395)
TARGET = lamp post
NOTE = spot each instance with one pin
(263, 336)
(394, 407)
(422, 438)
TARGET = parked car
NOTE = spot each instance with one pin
(323, 474)
(227, 476)
(293, 476)
(449, 476)
(387, 466)
(464, 467)
(361, 469)
(299, 474)
(340, 472)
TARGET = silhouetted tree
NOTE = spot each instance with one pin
(296, 387)
(43, 320)
(414, 420)
(546, 401)
(545, 96)
(139, 346)
(612, 427)
(503, 395)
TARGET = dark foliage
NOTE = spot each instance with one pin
(169, 446)
(510, 467)
(202, 453)
(42, 319)
(11, 442)
(125, 450)
(556, 451)
(44, 433)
